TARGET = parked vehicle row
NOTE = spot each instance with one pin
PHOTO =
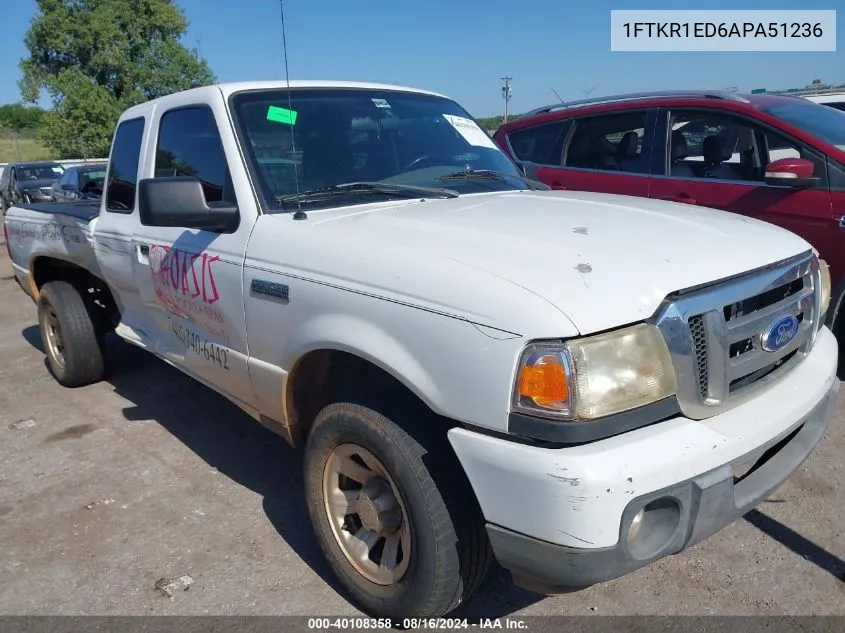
(48, 181)
(776, 158)
(576, 384)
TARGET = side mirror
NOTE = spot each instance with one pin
(529, 172)
(791, 172)
(179, 201)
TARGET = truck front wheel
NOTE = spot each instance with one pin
(401, 542)
(69, 335)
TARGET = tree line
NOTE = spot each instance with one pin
(92, 59)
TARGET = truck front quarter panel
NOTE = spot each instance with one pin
(305, 290)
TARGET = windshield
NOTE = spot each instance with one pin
(826, 123)
(42, 172)
(328, 137)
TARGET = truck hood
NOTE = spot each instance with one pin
(602, 260)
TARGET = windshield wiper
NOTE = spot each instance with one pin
(472, 174)
(368, 188)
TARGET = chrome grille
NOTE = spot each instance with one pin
(714, 333)
(47, 191)
(699, 341)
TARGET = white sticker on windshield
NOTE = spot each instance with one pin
(58, 170)
(381, 103)
(469, 129)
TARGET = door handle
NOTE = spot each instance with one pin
(144, 254)
(681, 197)
(558, 186)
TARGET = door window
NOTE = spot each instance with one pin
(123, 166)
(714, 145)
(539, 144)
(189, 144)
(73, 179)
(613, 142)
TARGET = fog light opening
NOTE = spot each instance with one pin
(653, 528)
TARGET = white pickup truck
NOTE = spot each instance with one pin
(575, 384)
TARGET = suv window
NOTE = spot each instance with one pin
(189, 144)
(123, 166)
(712, 144)
(611, 142)
(538, 144)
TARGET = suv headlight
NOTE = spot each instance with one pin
(595, 376)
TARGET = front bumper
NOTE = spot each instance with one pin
(559, 518)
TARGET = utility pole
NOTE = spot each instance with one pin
(506, 95)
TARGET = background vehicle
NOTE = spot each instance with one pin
(80, 182)
(776, 158)
(831, 99)
(474, 368)
(29, 182)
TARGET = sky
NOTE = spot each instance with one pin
(462, 48)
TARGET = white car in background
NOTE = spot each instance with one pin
(832, 99)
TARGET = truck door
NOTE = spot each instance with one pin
(115, 228)
(191, 281)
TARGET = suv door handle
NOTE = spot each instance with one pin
(557, 185)
(681, 197)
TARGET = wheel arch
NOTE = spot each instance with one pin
(328, 372)
(47, 268)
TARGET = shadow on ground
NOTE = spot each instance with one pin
(243, 450)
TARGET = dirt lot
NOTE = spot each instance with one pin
(108, 489)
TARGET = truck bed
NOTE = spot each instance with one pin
(54, 230)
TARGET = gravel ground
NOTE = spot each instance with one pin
(116, 494)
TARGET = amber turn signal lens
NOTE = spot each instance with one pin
(544, 381)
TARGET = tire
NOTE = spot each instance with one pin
(72, 342)
(450, 555)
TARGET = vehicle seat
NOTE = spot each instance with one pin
(715, 152)
(627, 152)
(679, 153)
(588, 151)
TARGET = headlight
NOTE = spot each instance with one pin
(824, 275)
(596, 376)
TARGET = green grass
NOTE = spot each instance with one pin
(22, 149)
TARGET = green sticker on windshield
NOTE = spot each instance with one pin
(281, 115)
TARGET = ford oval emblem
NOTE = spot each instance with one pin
(779, 333)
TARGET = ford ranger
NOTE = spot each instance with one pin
(574, 384)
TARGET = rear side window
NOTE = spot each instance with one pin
(189, 144)
(613, 142)
(123, 166)
(538, 144)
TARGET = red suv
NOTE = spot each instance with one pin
(780, 159)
